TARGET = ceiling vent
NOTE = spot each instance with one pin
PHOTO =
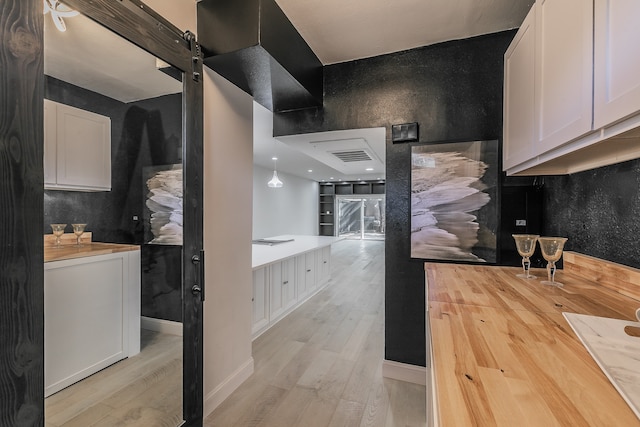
(352, 156)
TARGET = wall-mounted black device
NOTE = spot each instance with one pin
(406, 132)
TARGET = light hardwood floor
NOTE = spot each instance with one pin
(144, 390)
(321, 365)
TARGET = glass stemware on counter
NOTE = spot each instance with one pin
(551, 248)
(78, 230)
(526, 246)
(551, 251)
(58, 230)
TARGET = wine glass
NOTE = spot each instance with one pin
(551, 251)
(58, 230)
(78, 229)
(526, 246)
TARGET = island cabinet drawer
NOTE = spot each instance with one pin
(281, 286)
(92, 319)
(260, 300)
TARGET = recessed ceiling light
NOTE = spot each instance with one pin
(274, 158)
(369, 169)
(310, 170)
(331, 177)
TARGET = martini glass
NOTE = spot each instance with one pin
(526, 246)
(78, 229)
(58, 230)
(551, 251)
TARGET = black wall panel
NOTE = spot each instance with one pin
(143, 133)
(454, 91)
(598, 211)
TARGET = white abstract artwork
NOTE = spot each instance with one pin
(164, 204)
(453, 206)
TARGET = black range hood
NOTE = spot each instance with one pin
(253, 44)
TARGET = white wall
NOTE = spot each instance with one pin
(292, 209)
(228, 141)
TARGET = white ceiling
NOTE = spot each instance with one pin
(299, 154)
(344, 30)
(336, 30)
(90, 56)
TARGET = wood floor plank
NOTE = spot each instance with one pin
(290, 408)
(375, 412)
(322, 364)
(318, 413)
(347, 414)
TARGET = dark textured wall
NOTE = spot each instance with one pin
(598, 211)
(161, 294)
(454, 91)
(143, 133)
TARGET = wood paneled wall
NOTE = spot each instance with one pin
(21, 199)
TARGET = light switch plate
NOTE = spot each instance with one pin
(521, 222)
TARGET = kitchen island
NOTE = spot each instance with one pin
(287, 271)
(504, 355)
(91, 308)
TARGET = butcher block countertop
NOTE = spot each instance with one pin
(503, 354)
(69, 250)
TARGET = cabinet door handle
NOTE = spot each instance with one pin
(309, 271)
(198, 287)
(285, 282)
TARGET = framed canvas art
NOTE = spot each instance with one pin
(454, 209)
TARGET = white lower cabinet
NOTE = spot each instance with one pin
(283, 290)
(260, 300)
(323, 268)
(310, 271)
(92, 315)
(301, 278)
(282, 286)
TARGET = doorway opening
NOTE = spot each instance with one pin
(361, 217)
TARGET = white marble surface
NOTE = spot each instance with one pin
(617, 353)
(265, 254)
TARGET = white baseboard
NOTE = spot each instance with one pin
(404, 372)
(213, 399)
(161, 325)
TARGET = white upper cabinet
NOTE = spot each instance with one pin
(616, 60)
(519, 115)
(586, 84)
(77, 149)
(564, 49)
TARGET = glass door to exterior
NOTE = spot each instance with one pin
(361, 217)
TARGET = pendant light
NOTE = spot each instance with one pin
(275, 182)
(58, 11)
